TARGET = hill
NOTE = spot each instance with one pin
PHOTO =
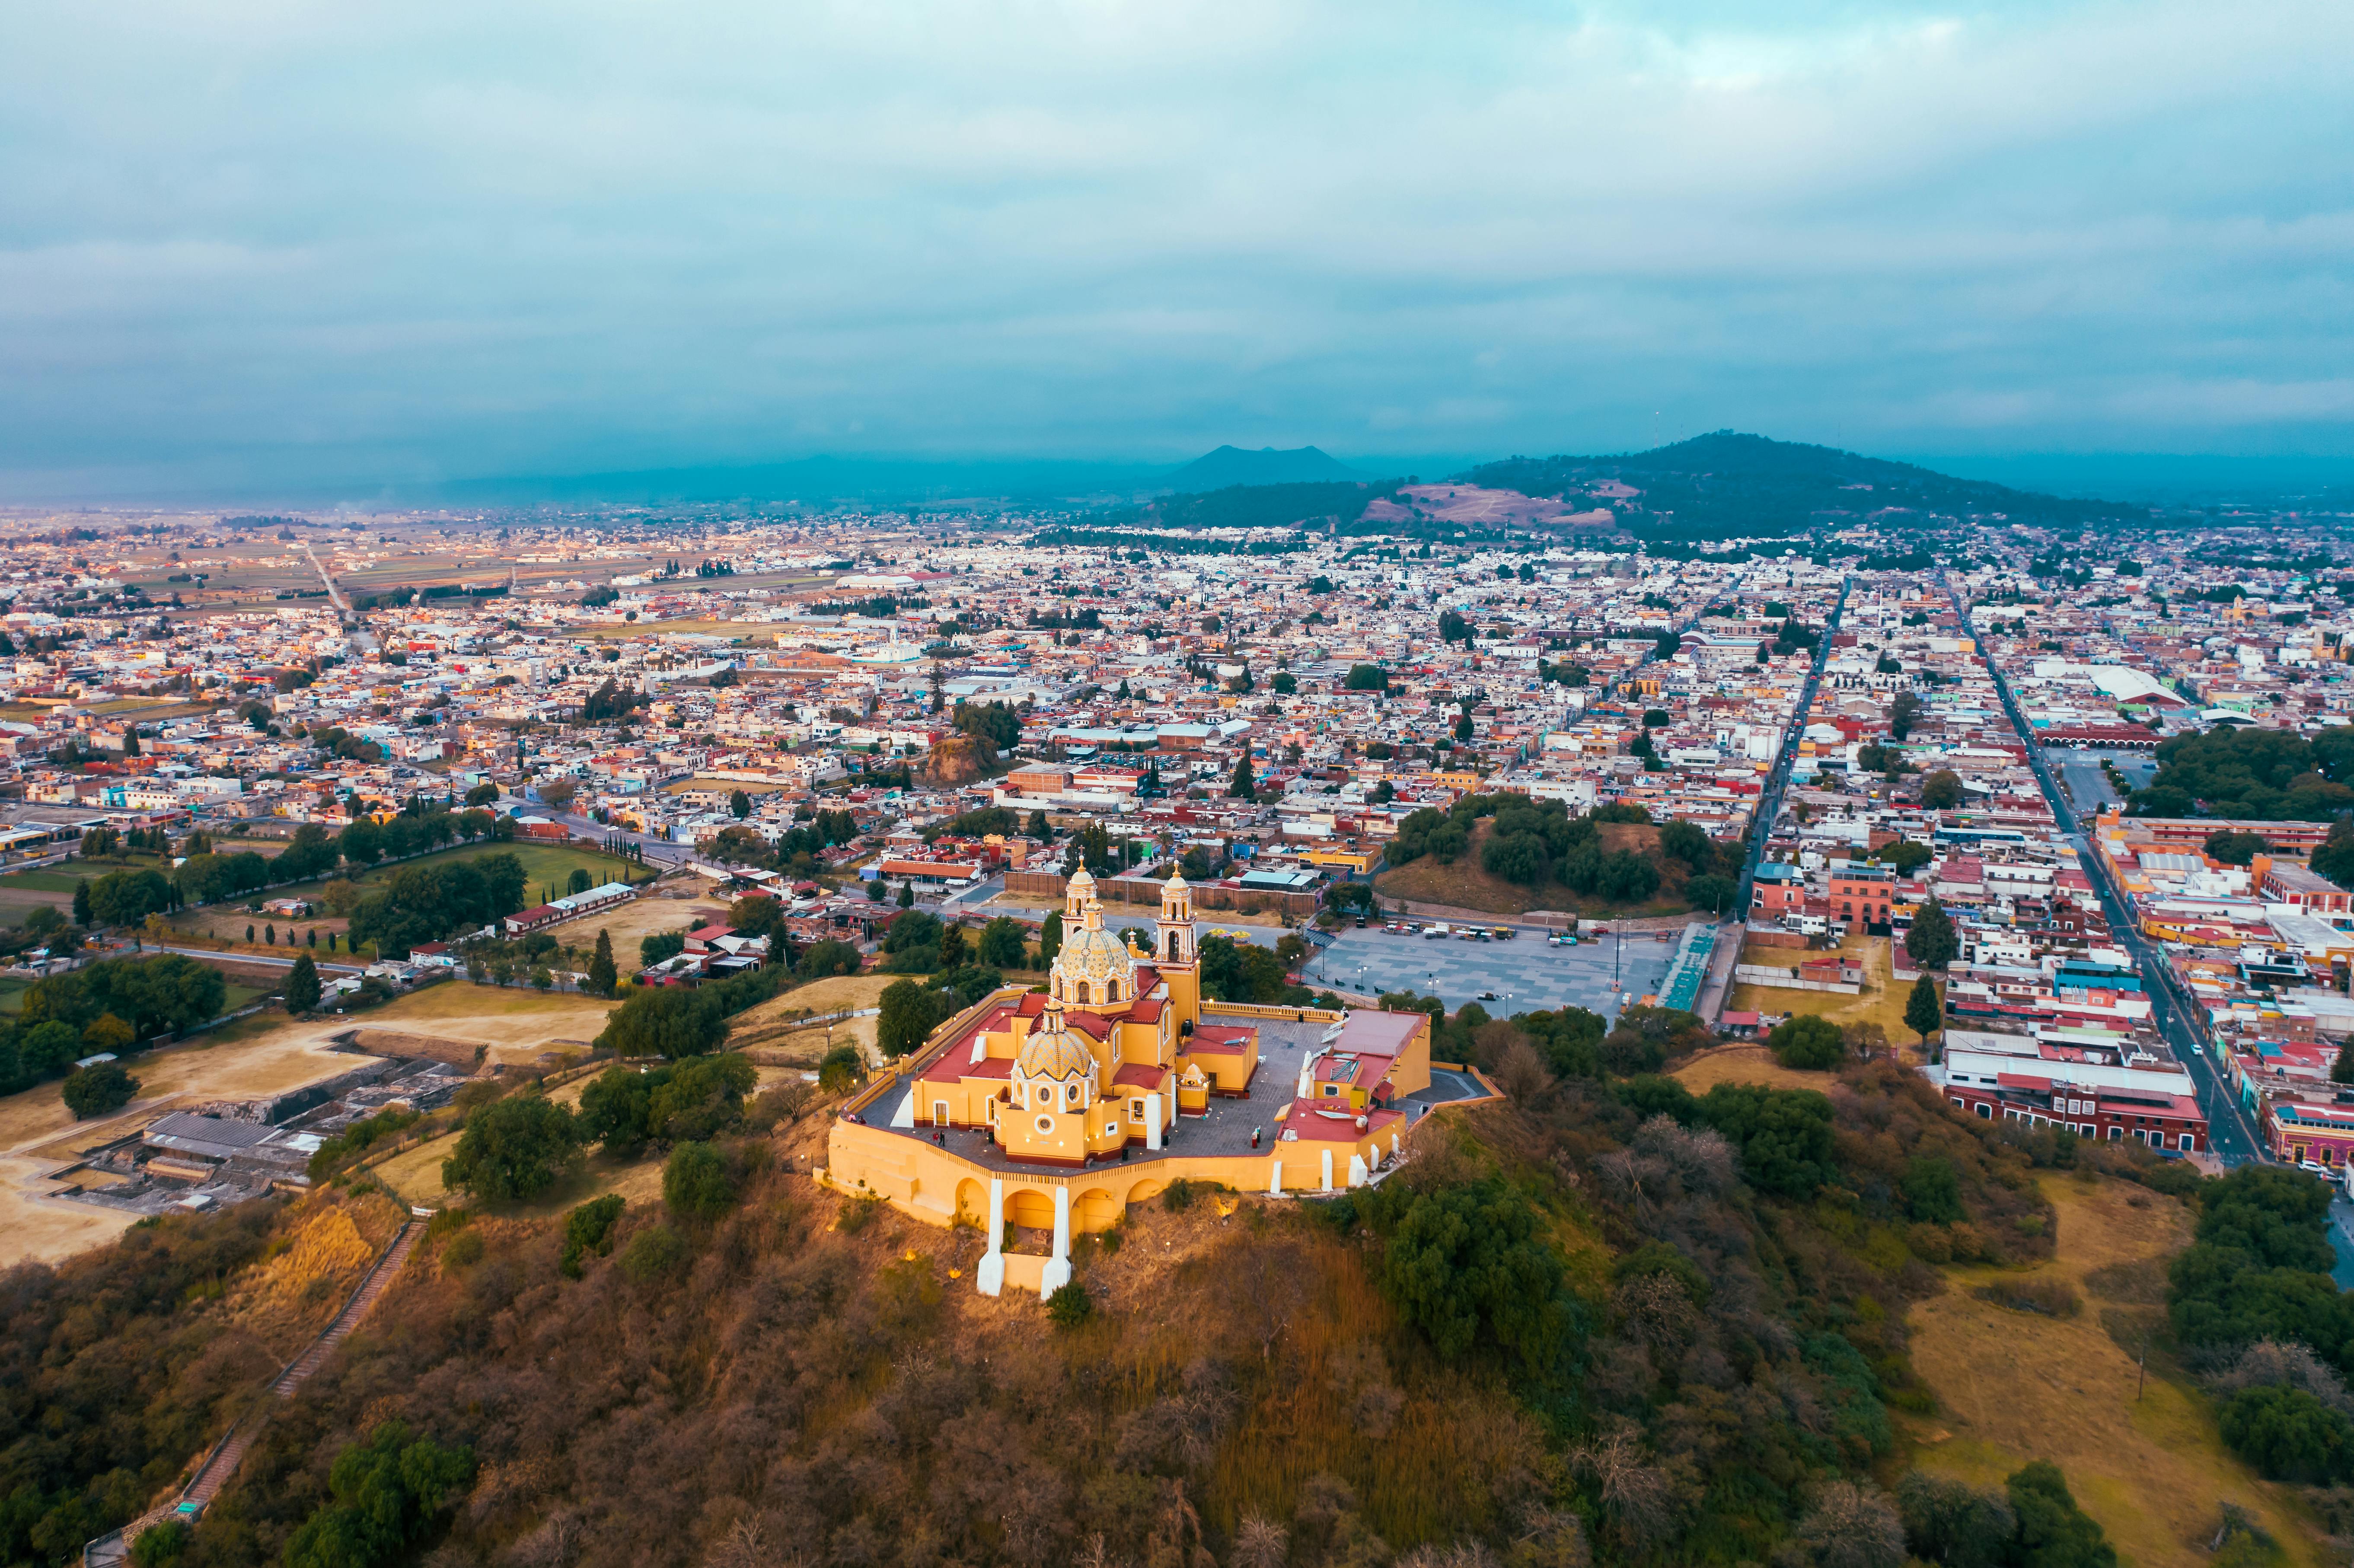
(1464, 883)
(1726, 484)
(1601, 1323)
(1232, 465)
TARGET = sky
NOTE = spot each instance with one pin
(310, 249)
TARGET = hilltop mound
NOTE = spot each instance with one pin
(1728, 483)
(1234, 465)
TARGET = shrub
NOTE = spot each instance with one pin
(1179, 1197)
(698, 1182)
(1807, 1042)
(654, 1253)
(160, 1545)
(2035, 1293)
(464, 1250)
(589, 1228)
(1070, 1306)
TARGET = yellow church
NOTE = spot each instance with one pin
(1055, 1109)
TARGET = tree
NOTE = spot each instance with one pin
(1932, 943)
(697, 1183)
(1366, 678)
(2341, 1070)
(1806, 1041)
(1050, 938)
(1851, 1525)
(1003, 944)
(1902, 714)
(1942, 790)
(1905, 856)
(1922, 1013)
(2235, 848)
(99, 1088)
(302, 985)
(124, 897)
(907, 895)
(1242, 786)
(1954, 1524)
(1038, 828)
(2053, 1533)
(513, 1150)
(603, 974)
(386, 1496)
(1784, 1136)
(107, 1032)
(1711, 892)
(906, 1016)
(2285, 1433)
(1469, 1266)
(739, 805)
(82, 907)
(1463, 729)
(840, 1069)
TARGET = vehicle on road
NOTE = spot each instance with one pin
(1490, 995)
(1501, 933)
(1437, 928)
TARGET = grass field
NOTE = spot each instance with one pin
(48, 880)
(544, 866)
(1882, 1002)
(2016, 1386)
(516, 1023)
(1464, 885)
(1746, 1065)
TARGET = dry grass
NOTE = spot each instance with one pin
(1746, 1065)
(513, 1023)
(2014, 1387)
(768, 1031)
(416, 1175)
(633, 923)
(1882, 1002)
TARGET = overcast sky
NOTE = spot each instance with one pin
(244, 246)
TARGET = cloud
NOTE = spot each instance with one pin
(314, 246)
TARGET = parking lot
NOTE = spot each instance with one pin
(1525, 974)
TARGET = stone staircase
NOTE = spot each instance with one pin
(219, 1465)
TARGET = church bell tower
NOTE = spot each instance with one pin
(1172, 950)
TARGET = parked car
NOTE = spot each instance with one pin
(1502, 933)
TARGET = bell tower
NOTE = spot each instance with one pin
(1172, 950)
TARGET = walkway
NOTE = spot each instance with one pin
(219, 1466)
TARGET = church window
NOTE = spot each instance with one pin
(1045, 1124)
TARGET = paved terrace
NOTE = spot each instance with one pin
(1225, 1131)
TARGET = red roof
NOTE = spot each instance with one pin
(1139, 1075)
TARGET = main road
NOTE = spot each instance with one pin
(2231, 1134)
(1769, 799)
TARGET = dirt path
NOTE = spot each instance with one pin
(2015, 1387)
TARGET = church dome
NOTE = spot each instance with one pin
(1052, 1050)
(1097, 960)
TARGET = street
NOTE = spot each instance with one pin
(1769, 800)
(2230, 1133)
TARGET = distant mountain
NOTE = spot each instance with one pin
(1230, 466)
(1727, 484)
